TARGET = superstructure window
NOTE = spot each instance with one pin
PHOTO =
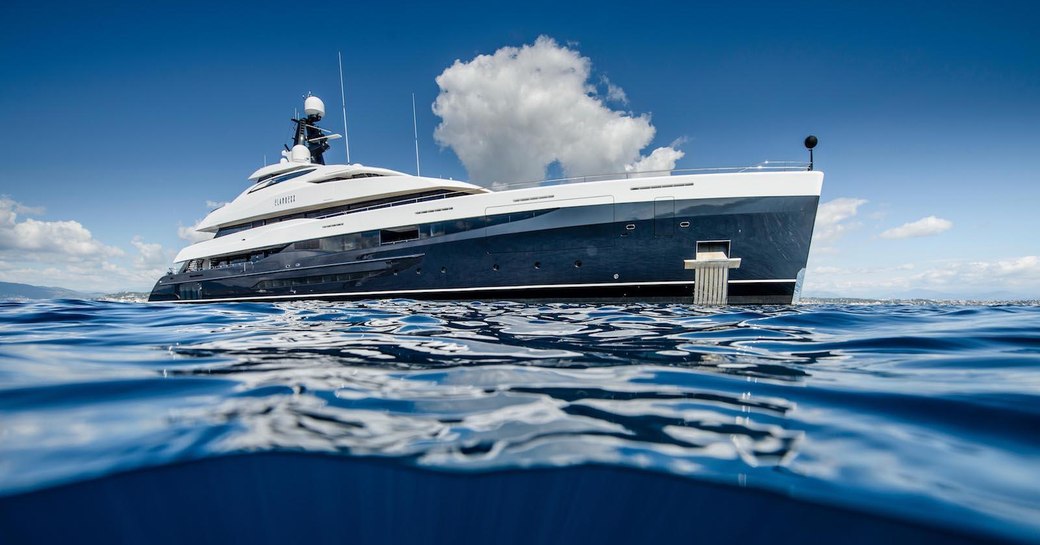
(191, 266)
(351, 177)
(221, 262)
(345, 209)
(269, 176)
(340, 243)
(281, 178)
(399, 234)
(396, 235)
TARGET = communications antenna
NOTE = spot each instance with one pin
(343, 102)
(415, 130)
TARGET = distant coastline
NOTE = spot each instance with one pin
(13, 291)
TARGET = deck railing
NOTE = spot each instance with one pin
(765, 166)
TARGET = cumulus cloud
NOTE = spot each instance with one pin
(9, 209)
(511, 114)
(832, 219)
(67, 238)
(65, 253)
(662, 159)
(1014, 278)
(191, 235)
(97, 274)
(1005, 273)
(921, 228)
(614, 93)
(151, 256)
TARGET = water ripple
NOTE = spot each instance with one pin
(893, 408)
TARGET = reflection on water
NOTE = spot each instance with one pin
(483, 385)
(926, 412)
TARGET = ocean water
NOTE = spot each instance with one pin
(402, 420)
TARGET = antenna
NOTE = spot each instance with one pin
(415, 129)
(343, 102)
(810, 143)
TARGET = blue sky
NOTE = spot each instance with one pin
(127, 119)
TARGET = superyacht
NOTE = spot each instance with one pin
(303, 229)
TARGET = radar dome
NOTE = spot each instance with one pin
(314, 106)
(300, 154)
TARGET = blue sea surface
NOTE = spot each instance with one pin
(924, 417)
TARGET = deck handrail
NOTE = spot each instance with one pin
(765, 166)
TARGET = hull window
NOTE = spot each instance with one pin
(189, 290)
(312, 280)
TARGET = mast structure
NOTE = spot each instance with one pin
(343, 103)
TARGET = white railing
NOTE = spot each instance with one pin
(765, 166)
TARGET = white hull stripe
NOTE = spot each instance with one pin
(463, 290)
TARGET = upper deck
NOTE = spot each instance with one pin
(296, 190)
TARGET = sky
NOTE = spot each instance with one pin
(124, 124)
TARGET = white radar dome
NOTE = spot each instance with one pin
(300, 154)
(314, 106)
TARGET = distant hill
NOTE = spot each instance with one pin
(11, 290)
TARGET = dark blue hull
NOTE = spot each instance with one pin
(603, 252)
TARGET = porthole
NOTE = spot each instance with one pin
(538, 264)
(444, 270)
(577, 264)
(418, 271)
(684, 224)
(630, 227)
(494, 267)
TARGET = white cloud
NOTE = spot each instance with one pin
(215, 204)
(9, 208)
(1016, 278)
(151, 256)
(832, 219)
(97, 274)
(191, 235)
(65, 254)
(614, 93)
(921, 228)
(510, 114)
(1019, 271)
(68, 238)
(662, 159)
